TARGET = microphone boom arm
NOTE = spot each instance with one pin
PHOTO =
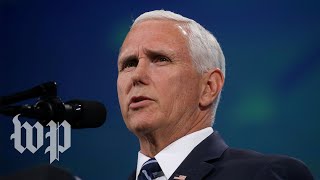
(42, 90)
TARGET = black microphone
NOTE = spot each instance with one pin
(45, 89)
(78, 113)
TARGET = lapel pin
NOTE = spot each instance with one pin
(180, 177)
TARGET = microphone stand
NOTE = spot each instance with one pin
(44, 110)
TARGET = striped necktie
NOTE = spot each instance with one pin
(150, 170)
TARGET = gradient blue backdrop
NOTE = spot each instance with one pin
(270, 102)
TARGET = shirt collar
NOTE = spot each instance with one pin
(172, 156)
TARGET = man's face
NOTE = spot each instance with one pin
(158, 86)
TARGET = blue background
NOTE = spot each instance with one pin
(270, 102)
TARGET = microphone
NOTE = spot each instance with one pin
(45, 89)
(78, 113)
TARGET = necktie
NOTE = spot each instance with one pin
(150, 170)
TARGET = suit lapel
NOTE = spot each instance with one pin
(196, 165)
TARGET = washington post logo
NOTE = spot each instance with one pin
(54, 148)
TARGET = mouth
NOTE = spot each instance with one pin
(139, 102)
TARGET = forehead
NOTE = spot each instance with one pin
(155, 34)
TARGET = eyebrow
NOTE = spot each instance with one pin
(149, 52)
(168, 52)
(121, 58)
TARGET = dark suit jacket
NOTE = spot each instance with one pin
(213, 159)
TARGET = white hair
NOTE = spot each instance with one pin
(204, 49)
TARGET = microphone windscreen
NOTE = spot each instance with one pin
(90, 114)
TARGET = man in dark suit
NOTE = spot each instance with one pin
(171, 72)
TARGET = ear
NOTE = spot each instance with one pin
(212, 83)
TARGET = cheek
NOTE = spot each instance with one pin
(121, 91)
(179, 90)
(119, 88)
(122, 84)
(189, 91)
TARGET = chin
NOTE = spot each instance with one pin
(141, 126)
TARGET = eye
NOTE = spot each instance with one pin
(129, 63)
(161, 58)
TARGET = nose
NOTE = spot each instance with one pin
(140, 74)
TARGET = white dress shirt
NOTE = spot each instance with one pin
(172, 156)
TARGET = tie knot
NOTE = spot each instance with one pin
(151, 165)
(150, 170)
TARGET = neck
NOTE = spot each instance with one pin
(153, 142)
